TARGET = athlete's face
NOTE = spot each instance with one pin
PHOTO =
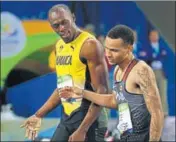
(116, 50)
(63, 24)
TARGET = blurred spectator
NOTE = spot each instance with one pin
(138, 50)
(158, 53)
(101, 38)
(90, 28)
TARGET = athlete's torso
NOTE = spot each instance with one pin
(140, 115)
(69, 62)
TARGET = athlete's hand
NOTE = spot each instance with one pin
(70, 92)
(32, 125)
(77, 136)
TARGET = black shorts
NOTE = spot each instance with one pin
(142, 137)
(63, 131)
(136, 137)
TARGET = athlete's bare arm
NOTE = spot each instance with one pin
(105, 100)
(50, 104)
(33, 123)
(146, 81)
(93, 52)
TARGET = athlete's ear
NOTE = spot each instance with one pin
(73, 16)
(130, 47)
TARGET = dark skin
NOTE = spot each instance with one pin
(63, 23)
(141, 80)
(98, 72)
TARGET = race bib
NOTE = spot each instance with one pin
(63, 81)
(125, 123)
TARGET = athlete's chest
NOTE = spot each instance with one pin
(130, 84)
(65, 49)
(67, 55)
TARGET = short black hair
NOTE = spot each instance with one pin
(123, 32)
(58, 6)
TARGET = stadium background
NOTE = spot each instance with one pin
(27, 75)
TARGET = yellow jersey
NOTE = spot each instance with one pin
(70, 66)
(73, 70)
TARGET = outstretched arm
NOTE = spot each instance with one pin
(105, 100)
(147, 83)
(33, 123)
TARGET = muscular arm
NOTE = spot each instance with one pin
(50, 104)
(105, 100)
(92, 50)
(147, 83)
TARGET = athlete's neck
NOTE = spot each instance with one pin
(77, 33)
(124, 64)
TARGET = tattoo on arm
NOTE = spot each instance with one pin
(147, 83)
(146, 80)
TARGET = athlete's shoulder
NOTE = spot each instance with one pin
(82, 38)
(92, 45)
(142, 65)
(92, 48)
(91, 42)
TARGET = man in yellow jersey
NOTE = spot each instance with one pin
(80, 61)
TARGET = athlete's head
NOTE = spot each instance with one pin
(63, 22)
(119, 44)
